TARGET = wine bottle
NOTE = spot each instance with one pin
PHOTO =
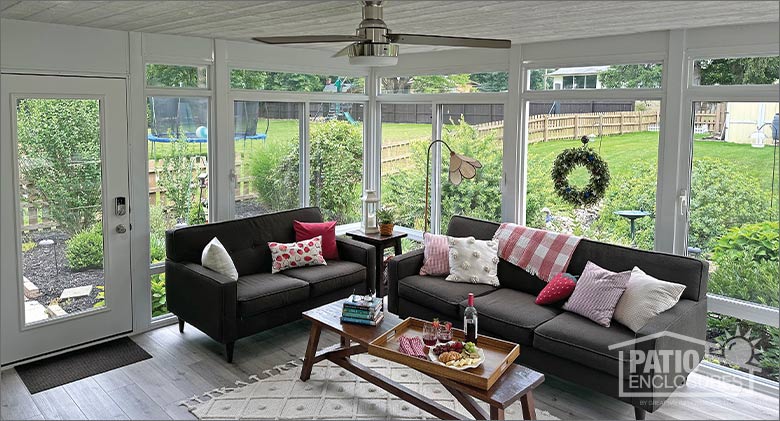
(470, 321)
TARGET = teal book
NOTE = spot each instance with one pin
(362, 321)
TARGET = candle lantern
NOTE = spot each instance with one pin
(370, 206)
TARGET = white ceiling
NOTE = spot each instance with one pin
(520, 21)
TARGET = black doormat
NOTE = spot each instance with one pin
(79, 364)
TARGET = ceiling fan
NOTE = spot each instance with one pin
(375, 45)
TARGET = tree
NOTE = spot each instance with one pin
(539, 80)
(434, 84)
(738, 71)
(167, 75)
(59, 158)
(632, 76)
(491, 82)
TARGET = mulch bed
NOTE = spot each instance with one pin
(53, 276)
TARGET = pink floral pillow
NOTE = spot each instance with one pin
(295, 255)
(436, 261)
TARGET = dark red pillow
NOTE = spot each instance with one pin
(307, 230)
(559, 288)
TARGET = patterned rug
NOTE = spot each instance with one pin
(330, 393)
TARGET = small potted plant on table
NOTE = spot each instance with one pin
(386, 218)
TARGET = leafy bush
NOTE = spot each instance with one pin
(770, 358)
(761, 241)
(59, 155)
(159, 301)
(741, 276)
(85, 249)
(336, 171)
(158, 223)
(176, 178)
(722, 197)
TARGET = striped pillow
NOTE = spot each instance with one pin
(597, 293)
(435, 255)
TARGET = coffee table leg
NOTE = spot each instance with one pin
(529, 411)
(345, 343)
(311, 350)
(496, 413)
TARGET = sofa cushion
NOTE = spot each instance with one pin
(261, 292)
(578, 339)
(438, 294)
(338, 274)
(512, 313)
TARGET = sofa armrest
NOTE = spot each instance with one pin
(400, 267)
(203, 298)
(677, 338)
(362, 253)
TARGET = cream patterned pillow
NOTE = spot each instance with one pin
(645, 298)
(473, 261)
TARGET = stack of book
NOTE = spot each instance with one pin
(361, 311)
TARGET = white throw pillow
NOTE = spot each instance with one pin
(645, 297)
(473, 261)
(216, 258)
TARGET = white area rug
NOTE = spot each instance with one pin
(330, 393)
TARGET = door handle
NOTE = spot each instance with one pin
(121, 229)
(683, 203)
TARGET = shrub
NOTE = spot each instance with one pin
(761, 241)
(722, 197)
(159, 301)
(336, 171)
(59, 155)
(741, 276)
(176, 178)
(85, 249)
(158, 223)
(770, 358)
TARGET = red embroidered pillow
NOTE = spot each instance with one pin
(559, 288)
(295, 255)
(436, 261)
(306, 230)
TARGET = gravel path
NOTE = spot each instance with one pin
(53, 276)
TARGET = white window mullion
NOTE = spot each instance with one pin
(512, 191)
(304, 155)
(436, 169)
(222, 148)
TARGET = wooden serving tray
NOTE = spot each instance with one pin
(499, 355)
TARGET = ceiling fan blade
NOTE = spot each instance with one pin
(449, 41)
(343, 52)
(308, 39)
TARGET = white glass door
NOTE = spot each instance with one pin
(65, 213)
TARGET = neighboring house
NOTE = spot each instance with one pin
(577, 77)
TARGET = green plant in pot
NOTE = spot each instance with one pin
(386, 218)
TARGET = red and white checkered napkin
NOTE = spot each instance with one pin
(541, 253)
(412, 346)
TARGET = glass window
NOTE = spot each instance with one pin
(622, 76)
(406, 134)
(476, 131)
(173, 76)
(626, 140)
(336, 151)
(744, 345)
(60, 173)
(177, 136)
(734, 198)
(267, 156)
(737, 71)
(439, 84)
(295, 82)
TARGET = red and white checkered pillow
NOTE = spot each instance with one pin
(295, 255)
(436, 261)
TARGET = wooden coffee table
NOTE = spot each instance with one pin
(517, 382)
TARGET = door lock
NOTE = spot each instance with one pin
(121, 229)
(120, 206)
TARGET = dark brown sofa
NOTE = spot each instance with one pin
(552, 340)
(228, 310)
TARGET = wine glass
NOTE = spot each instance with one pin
(444, 334)
(429, 334)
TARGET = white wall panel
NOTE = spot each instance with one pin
(177, 49)
(592, 51)
(462, 60)
(34, 47)
(287, 59)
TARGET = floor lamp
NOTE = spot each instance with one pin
(461, 167)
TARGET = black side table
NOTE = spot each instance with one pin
(381, 242)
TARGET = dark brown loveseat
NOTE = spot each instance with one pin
(557, 342)
(228, 310)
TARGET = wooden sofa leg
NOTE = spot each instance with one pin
(639, 413)
(229, 351)
(181, 325)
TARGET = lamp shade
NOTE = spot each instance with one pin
(461, 167)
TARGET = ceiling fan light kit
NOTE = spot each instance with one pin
(375, 45)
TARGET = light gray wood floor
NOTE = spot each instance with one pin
(189, 364)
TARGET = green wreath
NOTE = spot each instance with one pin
(599, 176)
